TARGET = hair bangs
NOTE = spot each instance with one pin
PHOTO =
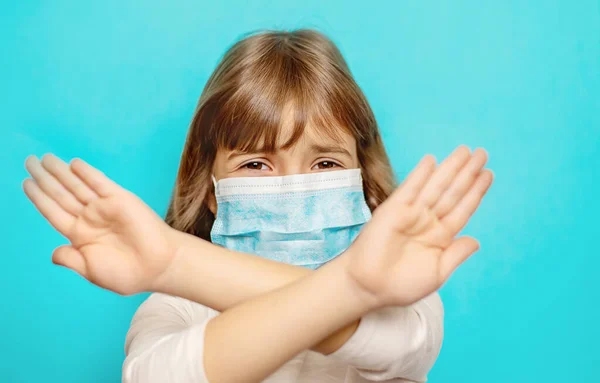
(272, 112)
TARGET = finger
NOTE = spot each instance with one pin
(461, 184)
(94, 178)
(443, 176)
(71, 258)
(459, 216)
(52, 211)
(51, 187)
(62, 172)
(461, 249)
(410, 188)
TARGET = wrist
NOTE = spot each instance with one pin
(364, 297)
(349, 290)
(177, 268)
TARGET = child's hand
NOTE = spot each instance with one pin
(409, 249)
(117, 241)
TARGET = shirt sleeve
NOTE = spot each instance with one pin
(165, 341)
(397, 342)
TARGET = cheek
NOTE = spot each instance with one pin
(355, 161)
(219, 168)
(352, 147)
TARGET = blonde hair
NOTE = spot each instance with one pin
(242, 106)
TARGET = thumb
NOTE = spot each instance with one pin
(458, 252)
(70, 258)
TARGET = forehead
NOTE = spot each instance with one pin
(311, 133)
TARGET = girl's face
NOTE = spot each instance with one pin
(312, 152)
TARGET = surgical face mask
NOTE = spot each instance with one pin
(304, 219)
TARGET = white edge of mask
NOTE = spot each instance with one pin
(285, 184)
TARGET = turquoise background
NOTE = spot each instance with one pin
(116, 82)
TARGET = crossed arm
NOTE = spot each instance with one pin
(246, 277)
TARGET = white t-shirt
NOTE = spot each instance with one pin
(165, 344)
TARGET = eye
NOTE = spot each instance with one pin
(324, 165)
(255, 165)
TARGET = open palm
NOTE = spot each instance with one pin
(409, 249)
(117, 241)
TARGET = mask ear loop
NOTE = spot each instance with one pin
(214, 183)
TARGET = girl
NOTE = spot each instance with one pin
(282, 168)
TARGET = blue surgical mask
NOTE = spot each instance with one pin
(305, 219)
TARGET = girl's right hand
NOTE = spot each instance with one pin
(117, 241)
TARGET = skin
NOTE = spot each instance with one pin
(406, 252)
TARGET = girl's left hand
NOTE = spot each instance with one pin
(409, 249)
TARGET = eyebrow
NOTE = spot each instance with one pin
(238, 153)
(330, 149)
(314, 147)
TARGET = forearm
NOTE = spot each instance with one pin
(220, 279)
(261, 334)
